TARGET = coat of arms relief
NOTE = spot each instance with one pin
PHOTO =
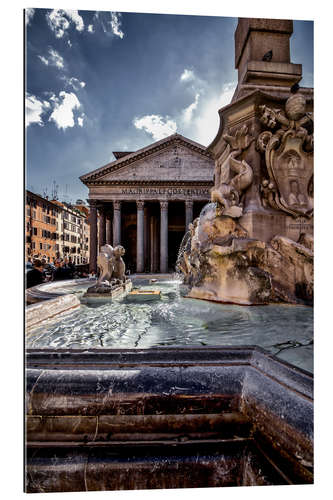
(288, 149)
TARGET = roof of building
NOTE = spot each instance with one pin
(120, 154)
(143, 152)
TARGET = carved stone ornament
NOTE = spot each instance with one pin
(289, 157)
(232, 175)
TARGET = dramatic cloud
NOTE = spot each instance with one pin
(206, 124)
(54, 59)
(115, 24)
(34, 108)
(62, 113)
(155, 125)
(110, 23)
(60, 20)
(188, 112)
(29, 14)
(187, 75)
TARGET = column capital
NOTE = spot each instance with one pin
(117, 205)
(189, 203)
(140, 204)
(164, 205)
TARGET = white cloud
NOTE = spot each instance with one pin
(59, 21)
(34, 108)
(44, 60)
(62, 114)
(69, 43)
(187, 75)
(74, 82)
(29, 14)
(206, 124)
(110, 23)
(157, 126)
(188, 112)
(115, 24)
(80, 119)
(54, 59)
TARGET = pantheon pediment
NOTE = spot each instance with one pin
(174, 158)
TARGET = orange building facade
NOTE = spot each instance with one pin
(41, 228)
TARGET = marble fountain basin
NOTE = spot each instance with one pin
(136, 411)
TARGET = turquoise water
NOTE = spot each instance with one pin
(284, 330)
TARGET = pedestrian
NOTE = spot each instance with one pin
(35, 276)
(59, 272)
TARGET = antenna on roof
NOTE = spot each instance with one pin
(55, 188)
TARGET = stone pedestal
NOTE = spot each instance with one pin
(264, 225)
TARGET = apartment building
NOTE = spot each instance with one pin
(54, 229)
(41, 231)
(74, 234)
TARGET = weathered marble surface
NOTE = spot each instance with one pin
(35, 313)
(222, 263)
(157, 411)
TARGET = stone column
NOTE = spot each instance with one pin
(164, 237)
(139, 237)
(108, 230)
(93, 238)
(116, 223)
(146, 238)
(102, 228)
(188, 213)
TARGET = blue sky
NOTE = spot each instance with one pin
(98, 82)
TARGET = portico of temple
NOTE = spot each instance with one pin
(146, 200)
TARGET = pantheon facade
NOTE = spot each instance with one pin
(146, 199)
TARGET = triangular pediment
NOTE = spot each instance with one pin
(171, 159)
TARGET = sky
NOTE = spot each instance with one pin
(98, 82)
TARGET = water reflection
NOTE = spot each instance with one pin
(284, 330)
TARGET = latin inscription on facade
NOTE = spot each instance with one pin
(168, 191)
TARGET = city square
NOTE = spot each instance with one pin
(169, 312)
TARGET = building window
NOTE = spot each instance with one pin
(40, 246)
(28, 211)
(34, 214)
(35, 232)
(33, 245)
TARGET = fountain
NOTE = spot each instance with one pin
(253, 243)
(194, 393)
